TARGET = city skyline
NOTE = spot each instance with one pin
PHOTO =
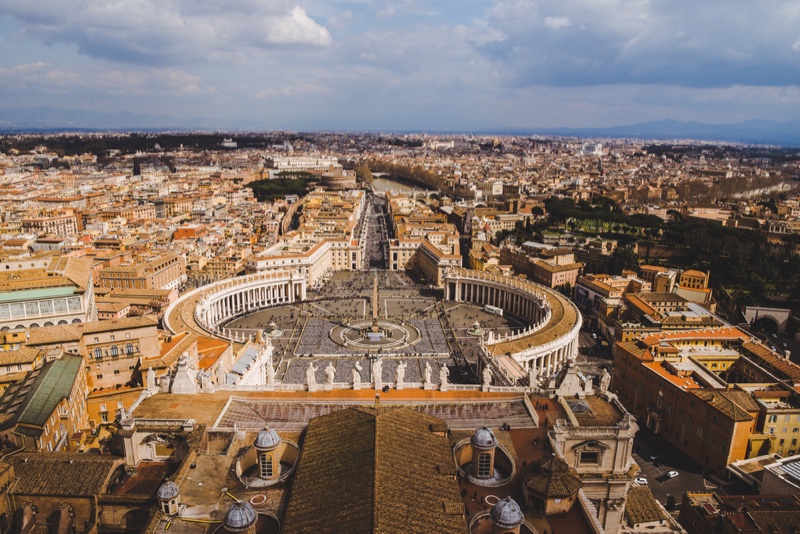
(406, 65)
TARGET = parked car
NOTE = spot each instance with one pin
(672, 474)
(641, 481)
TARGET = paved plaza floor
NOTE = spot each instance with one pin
(440, 330)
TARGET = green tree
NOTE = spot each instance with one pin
(623, 259)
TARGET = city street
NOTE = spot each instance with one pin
(667, 458)
(376, 250)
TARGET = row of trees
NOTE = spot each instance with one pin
(744, 261)
(270, 190)
(414, 174)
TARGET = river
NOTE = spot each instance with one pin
(383, 185)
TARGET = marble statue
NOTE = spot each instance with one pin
(605, 380)
(377, 373)
(357, 374)
(311, 378)
(487, 376)
(330, 371)
(401, 374)
(533, 375)
(428, 372)
(444, 372)
(270, 374)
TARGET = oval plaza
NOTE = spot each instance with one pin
(516, 329)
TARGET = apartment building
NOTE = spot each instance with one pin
(62, 293)
(47, 407)
(714, 394)
(166, 271)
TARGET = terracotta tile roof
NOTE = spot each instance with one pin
(733, 403)
(20, 355)
(763, 353)
(62, 474)
(551, 477)
(365, 471)
(718, 334)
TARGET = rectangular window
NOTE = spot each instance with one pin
(74, 303)
(589, 458)
(46, 307)
(484, 465)
(32, 309)
(266, 465)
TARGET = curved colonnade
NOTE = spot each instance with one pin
(555, 322)
(544, 346)
(206, 309)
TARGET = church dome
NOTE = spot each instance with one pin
(267, 439)
(168, 490)
(507, 514)
(240, 517)
(484, 438)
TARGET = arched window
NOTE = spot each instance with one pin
(98, 353)
(114, 350)
(129, 348)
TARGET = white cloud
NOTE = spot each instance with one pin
(682, 42)
(49, 78)
(167, 31)
(297, 28)
(557, 23)
(386, 12)
(796, 45)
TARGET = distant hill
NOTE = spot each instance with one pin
(54, 119)
(755, 131)
(48, 119)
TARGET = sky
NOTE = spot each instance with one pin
(405, 65)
